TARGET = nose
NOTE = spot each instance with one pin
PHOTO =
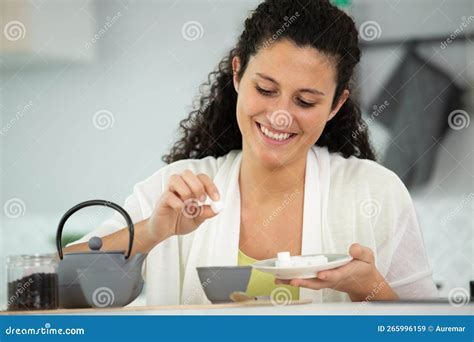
(280, 119)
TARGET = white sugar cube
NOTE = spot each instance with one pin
(298, 261)
(317, 260)
(283, 259)
(283, 256)
(217, 206)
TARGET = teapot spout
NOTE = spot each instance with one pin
(136, 261)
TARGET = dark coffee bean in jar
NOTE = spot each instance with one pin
(30, 290)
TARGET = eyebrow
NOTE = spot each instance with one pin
(303, 90)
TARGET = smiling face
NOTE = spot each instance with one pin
(284, 101)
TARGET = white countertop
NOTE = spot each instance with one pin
(266, 308)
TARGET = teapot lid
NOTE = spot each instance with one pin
(95, 243)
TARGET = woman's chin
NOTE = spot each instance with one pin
(272, 159)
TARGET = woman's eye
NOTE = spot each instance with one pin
(305, 104)
(264, 91)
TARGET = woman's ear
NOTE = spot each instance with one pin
(235, 70)
(344, 96)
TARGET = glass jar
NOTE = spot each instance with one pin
(32, 282)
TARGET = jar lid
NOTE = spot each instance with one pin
(32, 259)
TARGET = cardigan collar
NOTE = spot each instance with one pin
(216, 242)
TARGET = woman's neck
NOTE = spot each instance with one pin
(258, 182)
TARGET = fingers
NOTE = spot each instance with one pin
(333, 276)
(340, 277)
(206, 213)
(194, 183)
(362, 253)
(188, 185)
(210, 187)
(179, 187)
(190, 189)
(314, 283)
(173, 201)
(359, 253)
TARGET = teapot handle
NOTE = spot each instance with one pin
(89, 204)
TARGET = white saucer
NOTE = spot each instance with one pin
(305, 272)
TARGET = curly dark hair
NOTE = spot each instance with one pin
(211, 129)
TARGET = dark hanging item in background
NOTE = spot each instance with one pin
(471, 284)
(421, 96)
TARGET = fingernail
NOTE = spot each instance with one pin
(322, 276)
(215, 196)
(202, 198)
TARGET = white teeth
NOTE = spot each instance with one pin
(274, 136)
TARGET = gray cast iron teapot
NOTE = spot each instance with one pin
(96, 278)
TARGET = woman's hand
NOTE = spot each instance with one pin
(178, 210)
(359, 278)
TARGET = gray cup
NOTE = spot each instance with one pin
(219, 282)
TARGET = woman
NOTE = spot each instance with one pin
(278, 138)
